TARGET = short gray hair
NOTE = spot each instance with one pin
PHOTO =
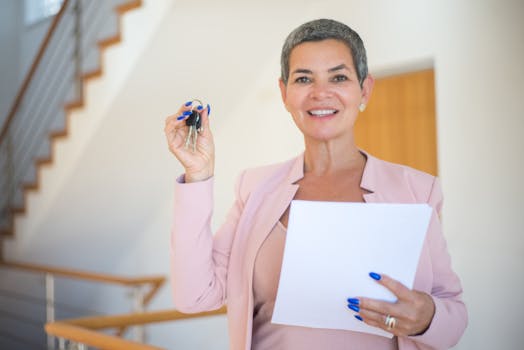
(323, 29)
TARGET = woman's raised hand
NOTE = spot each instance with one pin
(199, 163)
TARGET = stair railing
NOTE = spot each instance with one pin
(86, 331)
(143, 290)
(53, 86)
(21, 134)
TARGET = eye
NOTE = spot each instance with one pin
(302, 80)
(339, 78)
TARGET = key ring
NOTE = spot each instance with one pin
(197, 100)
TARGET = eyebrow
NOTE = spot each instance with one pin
(302, 71)
(330, 70)
(339, 67)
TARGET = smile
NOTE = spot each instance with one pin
(319, 113)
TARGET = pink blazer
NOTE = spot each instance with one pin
(209, 271)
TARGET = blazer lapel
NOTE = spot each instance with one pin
(370, 181)
(272, 208)
(277, 196)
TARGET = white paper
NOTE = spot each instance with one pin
(330, 250)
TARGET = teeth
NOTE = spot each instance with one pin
(322, 112)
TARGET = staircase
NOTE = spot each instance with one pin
(69, 56)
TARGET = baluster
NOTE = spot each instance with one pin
(78, 48)
(61, 344)
(138, 306)
(50, 306)
(10, 182)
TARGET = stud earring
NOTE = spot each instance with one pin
(362, 107)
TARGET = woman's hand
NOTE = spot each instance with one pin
(413, 311)
(199, 164)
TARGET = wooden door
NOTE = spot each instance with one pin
(399, 122)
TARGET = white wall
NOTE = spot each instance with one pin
(480, 93)
(110, 196)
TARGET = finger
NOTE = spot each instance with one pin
(373, 318)
(175, 139)
(205, 116)
(182, 113)
(176, 121)
(378, 320)
(377, 306)
(172, 123)
(174, 128)
(188, 106)
(183, 116)
(397, 288)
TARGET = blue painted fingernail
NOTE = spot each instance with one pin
(186, 113)
(208, 109)
(375, 276)
(189, 103)
(200, 108)
(181, 117)
(353, 301)
(358, 318)
(354, 308)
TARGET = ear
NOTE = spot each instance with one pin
(283, 91)
(367, 88)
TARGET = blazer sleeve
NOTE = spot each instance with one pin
(199, 260)
(451, 318)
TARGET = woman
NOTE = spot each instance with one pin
(324, 83)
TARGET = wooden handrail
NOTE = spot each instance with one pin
(78, 274)
(86, 330)
(136, 319)
(92, 338)
(155, 281)
(32, 70)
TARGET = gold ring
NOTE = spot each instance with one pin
(390, 322)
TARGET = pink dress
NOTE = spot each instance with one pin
(267, 335)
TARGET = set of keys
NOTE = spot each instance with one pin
(194, 122)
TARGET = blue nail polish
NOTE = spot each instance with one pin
(208, 109)
(353, 301)
(200, 108)
(358, 318)
(375, 276)
(354, 307)
(189, 103)
(181, 117)
(186, 113)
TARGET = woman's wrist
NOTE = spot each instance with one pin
(196, 177)
(428, 324)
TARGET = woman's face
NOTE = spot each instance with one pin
(323, 93)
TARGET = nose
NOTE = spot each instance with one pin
(320, 90)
